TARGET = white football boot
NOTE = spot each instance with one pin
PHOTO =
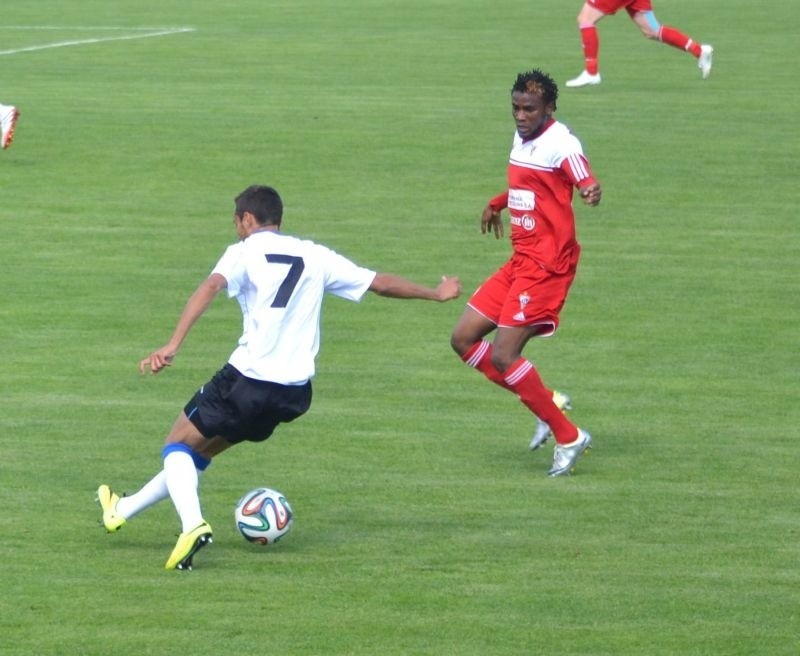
(584, 80)
(566, 455)
(704, 60)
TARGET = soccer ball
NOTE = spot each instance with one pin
(263, 516)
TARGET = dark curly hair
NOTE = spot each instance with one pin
(535, 81)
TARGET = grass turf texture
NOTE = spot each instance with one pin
(423, 525)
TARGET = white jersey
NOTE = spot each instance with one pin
(279, 282)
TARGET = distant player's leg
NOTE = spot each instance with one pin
(652, 29)
(590, 42)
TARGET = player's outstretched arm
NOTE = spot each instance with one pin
(195, 307)
(393, 286)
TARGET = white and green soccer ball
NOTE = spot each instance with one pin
(263, 516)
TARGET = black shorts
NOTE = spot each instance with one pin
(244, 409)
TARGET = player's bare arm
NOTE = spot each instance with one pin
(591, 194)
(195, 307)
(491, 221)
(393, 286)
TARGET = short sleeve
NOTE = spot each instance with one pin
(231, 266)
(344, 278)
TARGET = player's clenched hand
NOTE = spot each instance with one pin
(449, 288)
(157, 360)
(591, 194)
(491, 222)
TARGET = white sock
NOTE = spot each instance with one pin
(151, 493)
(181, 480)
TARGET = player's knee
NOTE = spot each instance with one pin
(649, 25)
(586, 16)
(458, 343)
(502, 361)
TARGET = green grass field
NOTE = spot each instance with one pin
(424, 526)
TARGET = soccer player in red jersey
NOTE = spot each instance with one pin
(641, 13)
(523, 298)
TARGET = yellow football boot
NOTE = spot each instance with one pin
(187, 546)
(108, 502)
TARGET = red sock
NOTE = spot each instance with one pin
(479, 357)
(678, 39)
(523, 379)
(591, 48)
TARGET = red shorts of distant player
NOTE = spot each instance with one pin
(613, 6)
(522, 293)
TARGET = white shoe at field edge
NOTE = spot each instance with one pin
(584, 80)
(704, 60)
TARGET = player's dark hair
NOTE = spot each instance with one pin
(535, 81)
(262, 202)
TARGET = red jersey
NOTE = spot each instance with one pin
(542, 173)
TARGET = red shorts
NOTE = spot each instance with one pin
(613, 6)
(522, 293)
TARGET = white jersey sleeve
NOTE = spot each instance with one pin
(345, 279)
(279, 282)
(231, 267)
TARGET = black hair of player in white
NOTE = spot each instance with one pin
(263, 202)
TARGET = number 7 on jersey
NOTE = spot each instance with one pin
(296, 266)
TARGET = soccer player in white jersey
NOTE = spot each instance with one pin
(279, 282)
(524, 297)
(8, 123)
